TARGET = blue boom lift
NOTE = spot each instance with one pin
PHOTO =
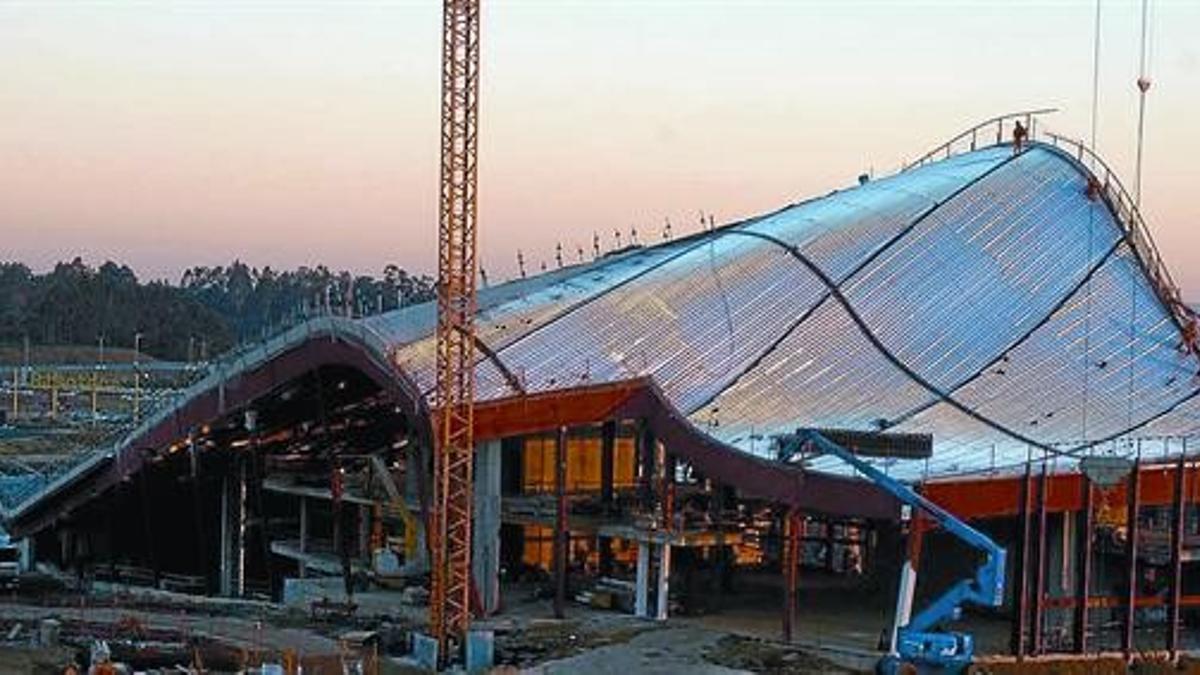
(922, 641)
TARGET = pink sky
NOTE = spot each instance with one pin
(166, 134)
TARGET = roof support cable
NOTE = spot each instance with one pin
(1053, 311)
(836, 293)
(845, 279)
(712, 266)
(690, 247)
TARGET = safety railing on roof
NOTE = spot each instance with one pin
(983, 135)
(1129, 217)
(998, 130)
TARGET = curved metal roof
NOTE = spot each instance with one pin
(1008, 304)
(986, 299)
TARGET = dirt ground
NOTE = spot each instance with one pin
(739, 639)
(590, 641)
(34, 660)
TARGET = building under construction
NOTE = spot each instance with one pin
(1006, 302)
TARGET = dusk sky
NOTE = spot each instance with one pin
(168, 134)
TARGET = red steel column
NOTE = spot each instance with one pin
(1021, 574)
(1039, 572)
(1132, 529)
(792, 530)
(1173, 599)
(1087, 532)
(608, 442)
(561, 534)
(646, 455)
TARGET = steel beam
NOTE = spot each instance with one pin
(1087, 533)
(1039, 572)
(1132, 532)
(561, 534)
(717, 511)
(1021, 573)
(667, 489)
(999, 497)
(646, 455)
(608, 442)
(793, 531)
(1178, 513)
(830, 540)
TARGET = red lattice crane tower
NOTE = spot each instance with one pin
(450, 531)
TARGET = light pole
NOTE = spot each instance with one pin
(137, 377)
(96, 382)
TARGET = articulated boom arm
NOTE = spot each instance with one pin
(985, 589)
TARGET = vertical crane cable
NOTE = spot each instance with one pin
(1087, 334)
(1143, 84)
(1096, 76)
(1087, 323)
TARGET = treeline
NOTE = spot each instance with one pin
(211, 310)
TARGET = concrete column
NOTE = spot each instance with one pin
(303, 533)
(562, 533)
(485, 552)
(223, 545)
(232, 548)
(240, 514)
(414, 464)
(364, 531)
(608, 441)
(643, 579)
(664, 577)
(26, 556)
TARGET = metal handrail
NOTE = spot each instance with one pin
(1130, 219)
(946, 150)
(1123, 206)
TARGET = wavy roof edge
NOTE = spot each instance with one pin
(381, 337)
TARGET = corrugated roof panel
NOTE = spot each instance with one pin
(825, 374)
(985, 268)
(1072, 379)
(979, 275)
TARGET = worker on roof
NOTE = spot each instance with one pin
(1020, 134)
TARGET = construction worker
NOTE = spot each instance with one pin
(1020, 134)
